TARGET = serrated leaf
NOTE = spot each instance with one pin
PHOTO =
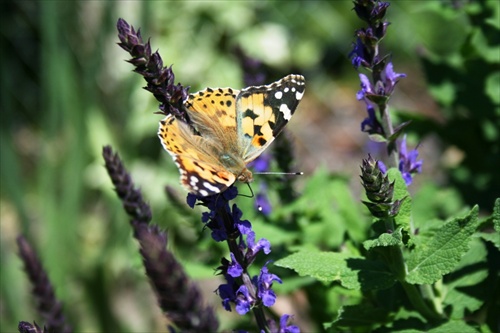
(442, 254)
(360, 315)
(385, 239)
(496, 215)
(460, 302)
(403, 218)
(453, 326)
(462, 285)
(351, 271)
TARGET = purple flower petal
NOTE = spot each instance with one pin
(366, 87)
(234, 269)
(408, 164)
(287, 329)
(243, 300)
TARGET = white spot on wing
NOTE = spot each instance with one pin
(298, 95)
(278, 94)
(203, 193)
(210, 187)
(287, 113)
(193, 180)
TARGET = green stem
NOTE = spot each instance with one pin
(389, 131)
(258, 312)
(397, 265)
(418, 302)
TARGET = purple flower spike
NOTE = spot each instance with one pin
(408, 164)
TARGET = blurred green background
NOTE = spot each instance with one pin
(66, 91)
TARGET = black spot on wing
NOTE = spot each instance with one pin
(250, 114)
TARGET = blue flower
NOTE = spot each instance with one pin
(264, 283)
(408, 164)
(382, 167)
(226, 292)
(234, 268)
(287, 329)
(262, 244)
(244, 226)
(371, 124)
(366, 87)
(390, 78)
(357, 54)
(244, 301)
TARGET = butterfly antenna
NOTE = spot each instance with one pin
(280, 173)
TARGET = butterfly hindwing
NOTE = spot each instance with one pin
(201, 174)
(263, 111)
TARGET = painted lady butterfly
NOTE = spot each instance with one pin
(228, 129)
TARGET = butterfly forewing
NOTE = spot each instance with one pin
(263, 112)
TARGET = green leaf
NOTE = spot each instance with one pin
(496, 215)
(403, 218)
(325, 219)
(359, 315)
(385, 239)
(453, 326)
(351, 271)
(428, 264)
(471, 271)
(494, 237)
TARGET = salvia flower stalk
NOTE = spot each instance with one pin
(224, 220)
(378, 87)
(47, 305)
(178, 297)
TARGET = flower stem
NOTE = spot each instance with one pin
(389, 131)
(260, 318)
(397, 265)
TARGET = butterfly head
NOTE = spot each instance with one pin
(245, 176)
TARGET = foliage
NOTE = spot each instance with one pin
(403, 258)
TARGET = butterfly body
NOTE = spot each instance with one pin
(227, 129)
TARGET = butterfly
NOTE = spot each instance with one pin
(227, 129)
